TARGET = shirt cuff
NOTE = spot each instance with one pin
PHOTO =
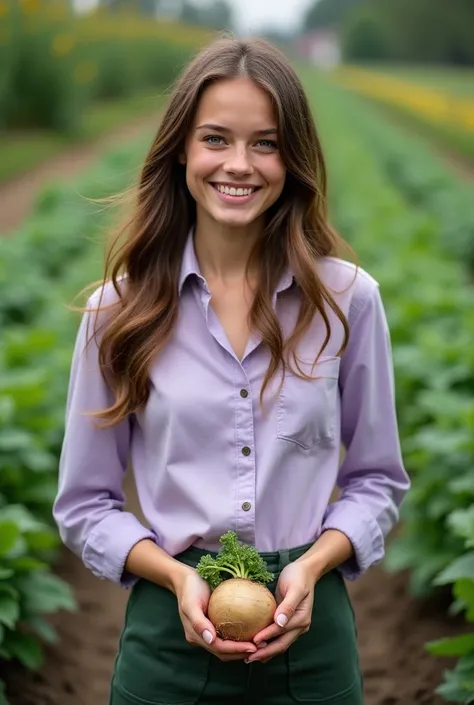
(106, 550)
(363, 532)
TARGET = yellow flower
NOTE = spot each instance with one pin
(30, 6)
(62, 44)
(433, 105)
(466, 114)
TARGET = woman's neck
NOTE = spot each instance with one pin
(224, 253)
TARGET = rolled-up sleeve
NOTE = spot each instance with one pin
(89, 505)
(372, 478)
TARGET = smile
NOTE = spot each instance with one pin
(235, 194)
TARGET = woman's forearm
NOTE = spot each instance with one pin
(149, 561)
(330, 550)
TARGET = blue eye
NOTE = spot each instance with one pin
(268, 143)
(214, 140)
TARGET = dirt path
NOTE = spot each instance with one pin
(17, 196)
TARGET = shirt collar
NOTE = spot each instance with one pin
(189, 263)
(190, 267)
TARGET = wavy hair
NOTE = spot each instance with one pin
(146, 253)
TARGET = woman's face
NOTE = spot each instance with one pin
(233, 166)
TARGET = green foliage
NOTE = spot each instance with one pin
(235, 559)
(217, 14)
(422, 178)
(418, 254)
(324, 14)
(54, 62)
(40, 89)
(403, 30)
(62, 252)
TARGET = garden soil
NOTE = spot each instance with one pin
(17, 196)
(392, 629)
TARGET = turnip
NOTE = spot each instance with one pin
(240, 605)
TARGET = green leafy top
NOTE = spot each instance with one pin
(235, 560)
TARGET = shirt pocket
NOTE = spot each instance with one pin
(307, 408)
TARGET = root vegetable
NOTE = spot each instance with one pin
(240, 605)
(239, 609)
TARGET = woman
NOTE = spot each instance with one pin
(232, 354)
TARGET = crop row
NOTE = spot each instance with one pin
(42, 267)
(429, 304)
(446, 116)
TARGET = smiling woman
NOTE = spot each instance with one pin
(230, 353)
(235, 173)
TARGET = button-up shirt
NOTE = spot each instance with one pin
(208, 456)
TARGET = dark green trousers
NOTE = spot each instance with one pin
(156, 666)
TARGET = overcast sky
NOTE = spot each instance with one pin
(252, 15)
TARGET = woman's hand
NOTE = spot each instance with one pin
(193, 595)
(294, 593)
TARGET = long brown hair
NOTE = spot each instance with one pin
(148, 259)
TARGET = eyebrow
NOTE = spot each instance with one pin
(221, 128)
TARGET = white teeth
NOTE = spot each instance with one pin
(232, 191)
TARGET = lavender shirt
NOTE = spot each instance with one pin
(207, 458)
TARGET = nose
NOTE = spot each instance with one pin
(238, 162)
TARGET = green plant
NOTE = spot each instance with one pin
(56, 61)
(235, 560)
(429, 302)
(61, 246)
(421, 177)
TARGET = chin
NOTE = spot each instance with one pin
(235, 220)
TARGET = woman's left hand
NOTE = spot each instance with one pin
(295, 594)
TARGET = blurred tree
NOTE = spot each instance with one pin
(190, 13)
(279, 38)
(327, 14)
(220, 15)
(400, 30)
(143, 7)
(364, 38)
(216, 14)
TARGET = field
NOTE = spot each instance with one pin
(66, 78)
(410, 222)
(437, 102)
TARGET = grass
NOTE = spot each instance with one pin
(22, 151)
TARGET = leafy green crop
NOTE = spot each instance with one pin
(422, 178)
(235, 560)
(419, 256)
(62, 251)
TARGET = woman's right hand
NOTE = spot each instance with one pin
(193, 595)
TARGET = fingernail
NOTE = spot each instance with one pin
(250, 651)
(282, 620)
(262, 645)
(207, 636)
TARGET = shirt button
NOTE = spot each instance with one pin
(246, 450)
(246, 506)
(244, 393)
